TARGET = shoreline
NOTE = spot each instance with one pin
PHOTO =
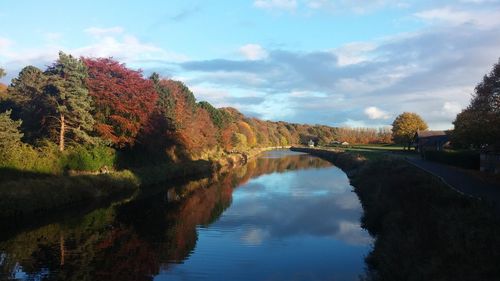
(30, 198)
(423, 229)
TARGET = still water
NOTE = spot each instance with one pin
(283, 216)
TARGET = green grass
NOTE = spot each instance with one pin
(382, 147)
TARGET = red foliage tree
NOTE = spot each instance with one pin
(193, 127)
(123, 100)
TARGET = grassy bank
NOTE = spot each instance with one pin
(35, 196)
(34, 193)
(423, 229)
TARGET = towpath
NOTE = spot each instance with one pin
(462, 181)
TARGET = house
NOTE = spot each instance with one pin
(345, 143)
(310, 143)
(430, 140)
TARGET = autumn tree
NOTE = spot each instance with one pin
(69, 99)
(239, 141)
(479, 123)
(3, 92)
(193, 129)
(123, 100)
(405, 126)
(245, 129)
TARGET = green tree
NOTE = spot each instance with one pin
(26, 97)
(405, 126)
(10, 136)
(220, 118)
(239, 141)
(479, 123)
(69, 97)
(165, 102)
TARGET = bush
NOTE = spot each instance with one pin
(45, 159)
(463, 159)
(90, 158)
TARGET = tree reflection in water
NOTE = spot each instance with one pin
(138, 239)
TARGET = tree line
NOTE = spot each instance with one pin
(100, 102)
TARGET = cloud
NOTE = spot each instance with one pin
(374, 112)
(452, 108)
(253, 52)
(99, 31)
(455, 16)
(105, 42)
(355, 6)
(417, 72)
(265, 200)
(287, 5)
(353, 53)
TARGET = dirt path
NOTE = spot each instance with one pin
(462, 181)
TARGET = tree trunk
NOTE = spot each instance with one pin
(62, 249)
(61, 133)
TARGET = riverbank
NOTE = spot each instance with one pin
(424, 230)
(31, 196)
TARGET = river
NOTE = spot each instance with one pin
(283, 216)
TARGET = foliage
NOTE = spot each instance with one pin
(45, 159)
(479, 124)
(463, 159)
(405, 126)
(69, 99)
(9, 131)
(10, 136)
(220, 118)
(90, 158)
(2, 72)
(26, 97)
(239, 142)
(123, 100)
(3, 92)
(156, 118)
(194, 131)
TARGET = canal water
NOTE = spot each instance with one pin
(283, 216)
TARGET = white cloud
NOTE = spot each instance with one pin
(355, 6)
(253, 52)
(452, 108)
(453, 16)
(288, 5)
(375, 113)
(353, 53)
(254, 236)
(99, 31)
(122, 47)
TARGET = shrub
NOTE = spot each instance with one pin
(45, 159)
(90, 158)
(463, 159)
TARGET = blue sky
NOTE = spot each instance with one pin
(341, 63)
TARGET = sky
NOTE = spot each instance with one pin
(353, 63)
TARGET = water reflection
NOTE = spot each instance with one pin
(292, 216)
